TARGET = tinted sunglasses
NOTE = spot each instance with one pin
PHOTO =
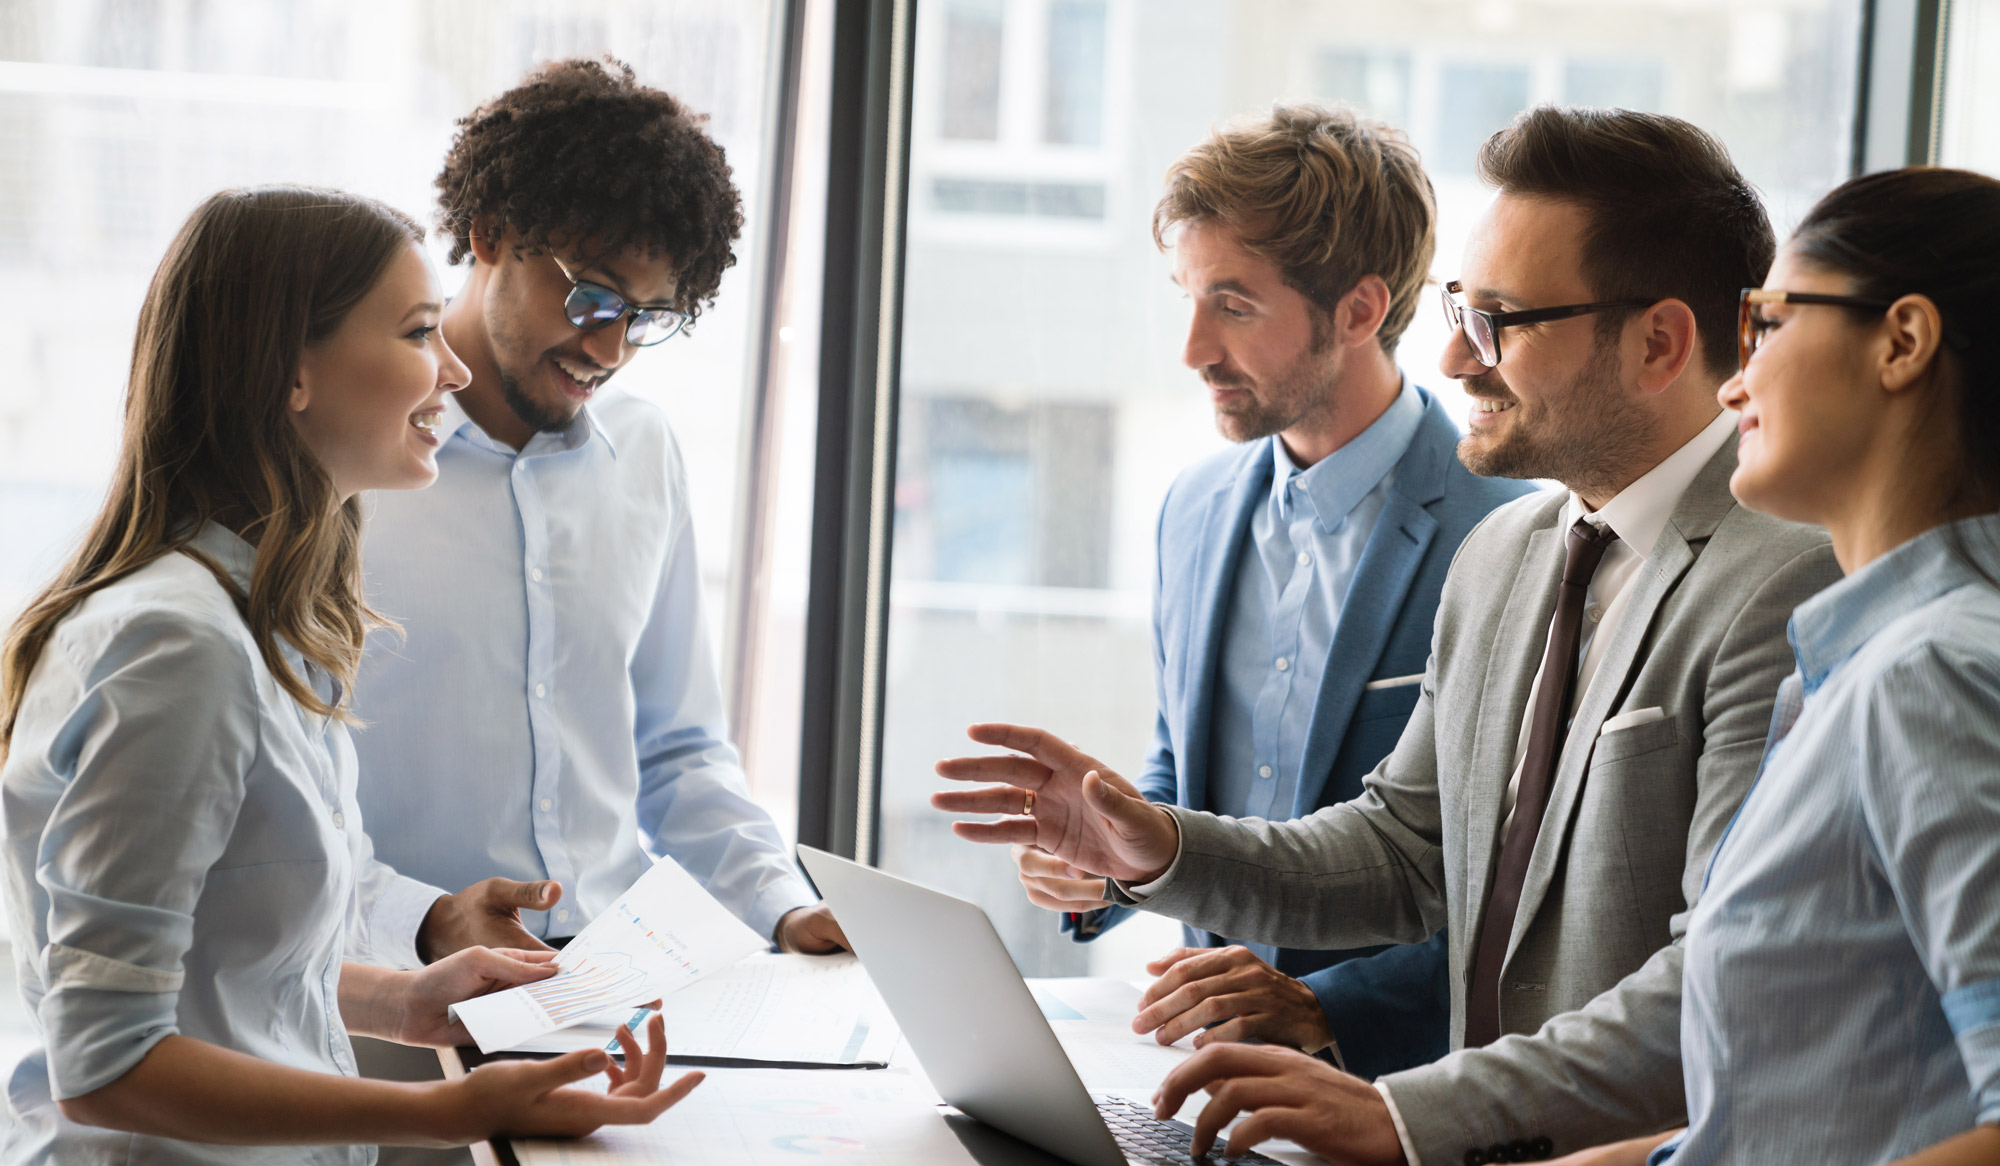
(1482, 329)
(591, 306)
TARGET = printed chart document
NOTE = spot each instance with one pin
(793, 1009)
(661, 935)
(758, 1117)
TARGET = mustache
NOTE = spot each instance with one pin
(1224, 380)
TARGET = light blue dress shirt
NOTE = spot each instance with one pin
(1842, 983)
(551, 709)
(1285, 603)
(182, 843)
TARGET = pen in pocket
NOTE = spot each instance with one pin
(638, 1018)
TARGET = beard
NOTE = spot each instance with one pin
(1580, 435)
(534, 414)
(1300, 394)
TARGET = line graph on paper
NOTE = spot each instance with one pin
(592, 984)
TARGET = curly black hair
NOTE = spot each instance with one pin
(581, 150)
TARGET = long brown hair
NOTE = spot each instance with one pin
(253, 278)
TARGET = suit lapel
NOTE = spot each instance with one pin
(1224, 527)
(1396, 547)
(1701, 509)
(1518, 644)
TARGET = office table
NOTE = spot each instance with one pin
(983, 1143)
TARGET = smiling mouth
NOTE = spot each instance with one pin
(582, 379)
(430, 422)
(1491, 405)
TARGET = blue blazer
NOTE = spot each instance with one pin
(1389, 1008)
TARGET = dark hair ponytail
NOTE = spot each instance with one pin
(1932, 232)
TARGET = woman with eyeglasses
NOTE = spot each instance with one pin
(1841, 997)
(181, 839)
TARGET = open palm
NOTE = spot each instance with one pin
(1084, 813)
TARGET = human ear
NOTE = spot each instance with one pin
(1363, 309)
(300, 395)
(485, 247)
(1912, 327)
(1671, 341)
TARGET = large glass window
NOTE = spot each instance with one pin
(1970, 134)
(118, 116)
(1044, 406)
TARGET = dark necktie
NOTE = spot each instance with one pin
(1587, 545)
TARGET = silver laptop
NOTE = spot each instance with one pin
(976, 1028)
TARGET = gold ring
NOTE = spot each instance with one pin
(1028, 802)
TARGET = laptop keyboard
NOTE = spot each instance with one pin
(1151, 1142)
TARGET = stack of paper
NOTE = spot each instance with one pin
(663, 934)
(786, 1009)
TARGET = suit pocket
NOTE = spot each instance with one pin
(1619, 744)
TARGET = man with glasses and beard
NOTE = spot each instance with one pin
(1298, 574)
(1596, 705)
(549, 716)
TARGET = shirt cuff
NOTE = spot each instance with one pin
(94, 1036)
(1402, 1131)
(1144, 891)
(774, 902)
(391, 926)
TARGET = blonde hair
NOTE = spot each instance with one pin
(1327, 195)
(252, 279)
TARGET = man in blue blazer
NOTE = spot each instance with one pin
(1299, 573)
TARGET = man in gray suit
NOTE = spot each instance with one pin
(1595, 706)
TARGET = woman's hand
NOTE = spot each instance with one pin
(529, 1098)
(422, 1018)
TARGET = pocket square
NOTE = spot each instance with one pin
(1391, 682)
(1633, 720)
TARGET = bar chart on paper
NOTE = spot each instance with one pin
(661, 935)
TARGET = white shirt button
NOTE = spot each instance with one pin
(547, 804)
(562, 914)
(541, 690)
(1594, 614)
(536, 574)
(1304, 558)
(339, 820)
(1283, 663)
(1263, 771)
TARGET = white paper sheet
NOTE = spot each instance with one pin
(810, 1009)
(757, 1117)
(661, 935)
(1093, 1020)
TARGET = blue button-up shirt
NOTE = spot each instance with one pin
(1842, 983)
(1307, 538)
(551, 708)
(181, 848)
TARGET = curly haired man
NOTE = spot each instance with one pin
(549, 719)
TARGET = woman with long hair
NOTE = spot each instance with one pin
(1841, 995)
(181, 837)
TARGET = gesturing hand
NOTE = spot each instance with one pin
(1083, 813)
(1287, 1095)
(485, 914)
(528, 1098)
(1243, 997)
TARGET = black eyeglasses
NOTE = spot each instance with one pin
(591, 306)
(1482, 329)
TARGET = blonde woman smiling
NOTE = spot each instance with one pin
(181, 839)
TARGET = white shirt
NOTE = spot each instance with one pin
(181, 847)
(551, 709)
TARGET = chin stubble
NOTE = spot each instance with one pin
(1584, 439)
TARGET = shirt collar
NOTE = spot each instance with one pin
(457, 423)
(1638, 513)
(228, 550)
(1338, 482)
(1833, 625)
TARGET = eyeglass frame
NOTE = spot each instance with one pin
(1749, 339)
(629, 316)
(1455, 313)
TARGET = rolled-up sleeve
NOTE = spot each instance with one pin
(152, 761)
(1931, 798)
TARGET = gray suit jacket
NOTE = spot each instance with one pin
(1590, 992)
